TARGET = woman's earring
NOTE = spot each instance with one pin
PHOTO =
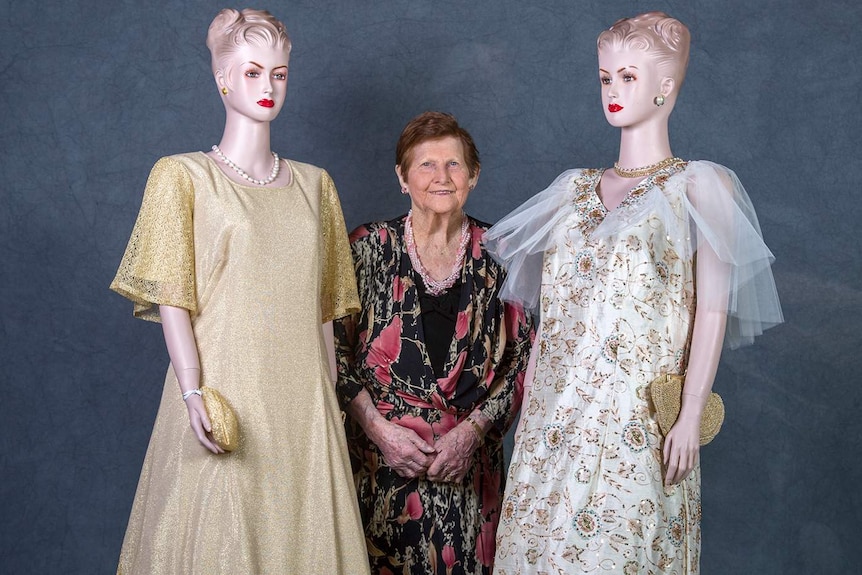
(659, 100)
(224, 91)
(404, 190)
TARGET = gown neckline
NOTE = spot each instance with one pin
(636, 191)
(224, 176)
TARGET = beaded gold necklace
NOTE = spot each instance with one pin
(645, 170)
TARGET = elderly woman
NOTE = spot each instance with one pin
(431, 370)
(243, 256)
(644, 270)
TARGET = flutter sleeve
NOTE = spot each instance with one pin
(338, 295)
(724, 217)
(519, 240)
(158, 267)
(717, 214)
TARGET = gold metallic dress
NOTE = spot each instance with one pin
(260, 269)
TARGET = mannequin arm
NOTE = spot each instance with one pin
(183, 351)
(531, 366)
(682, 445)
(529, 375)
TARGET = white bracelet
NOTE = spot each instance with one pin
(191, 392)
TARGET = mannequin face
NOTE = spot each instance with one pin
(256, 80)
(438, 180)
(630, 82)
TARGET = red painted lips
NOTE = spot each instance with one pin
(614, 108)
(266, 103)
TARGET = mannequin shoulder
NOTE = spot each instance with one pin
(189, 162)
(178, 166)
(309, 171)
(705, 178)
(704, 167)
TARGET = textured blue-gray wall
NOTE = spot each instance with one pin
(93, 92)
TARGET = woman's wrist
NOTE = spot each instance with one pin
(375, 427)
(476, 429)
(364, 412)
(479, 424)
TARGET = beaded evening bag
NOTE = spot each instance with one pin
(225, 427)
(666, 393)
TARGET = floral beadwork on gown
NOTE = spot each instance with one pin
(616, 289)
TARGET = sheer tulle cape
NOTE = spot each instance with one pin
(716, 214)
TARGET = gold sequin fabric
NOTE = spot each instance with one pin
(260, 269)
(585, 489)
(154, 273)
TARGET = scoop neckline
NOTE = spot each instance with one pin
(246, 186)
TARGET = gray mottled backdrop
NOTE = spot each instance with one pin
(93, 92)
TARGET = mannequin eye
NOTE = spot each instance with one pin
(628, 77)
(252, 73)
(605, 80)
(280, 76)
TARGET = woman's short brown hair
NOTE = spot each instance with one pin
(433, 126)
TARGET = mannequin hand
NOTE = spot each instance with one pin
(201, 423)
(454, 454)
(681, 448)
(403, 450)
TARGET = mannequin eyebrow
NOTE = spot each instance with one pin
(620, 70)
(253, 63)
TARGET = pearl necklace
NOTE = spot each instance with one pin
(433, 286)
(645, 170)
(276, 166)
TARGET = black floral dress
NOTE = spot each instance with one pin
(414, 525)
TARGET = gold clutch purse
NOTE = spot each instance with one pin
(225, 427)
(666, 393)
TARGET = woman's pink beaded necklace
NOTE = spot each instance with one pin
(433, 286)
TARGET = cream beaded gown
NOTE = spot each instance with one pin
(585, 492)
(260, 269)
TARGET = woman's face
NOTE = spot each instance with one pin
(630, 82)
(256, 80)
(438, 179)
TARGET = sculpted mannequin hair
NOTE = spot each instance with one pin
(231, 29)
(654, 32)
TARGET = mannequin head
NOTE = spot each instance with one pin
(657, 45)
(665, 38)
(231, 30)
